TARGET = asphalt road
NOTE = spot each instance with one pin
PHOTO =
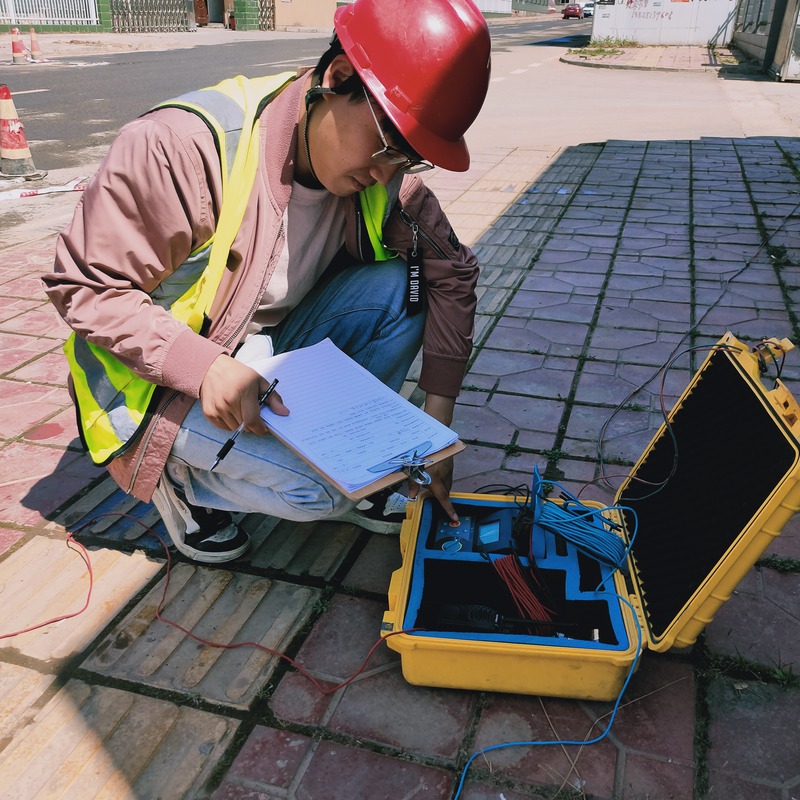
(73, 107)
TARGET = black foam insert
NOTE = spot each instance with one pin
(732, 452)
(449, 582)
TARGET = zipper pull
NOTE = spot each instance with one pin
(415, 229)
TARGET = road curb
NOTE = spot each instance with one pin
(727, 69)
(583, 62)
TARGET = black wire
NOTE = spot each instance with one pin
(759, 348)
(689, 332)
(504, 488)
(663, 369)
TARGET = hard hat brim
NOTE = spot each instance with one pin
(450, 155)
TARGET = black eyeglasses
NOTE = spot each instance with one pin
(391, 156)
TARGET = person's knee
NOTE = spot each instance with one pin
(311, 504)
(286, 493)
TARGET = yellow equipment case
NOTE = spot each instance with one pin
(716, 484)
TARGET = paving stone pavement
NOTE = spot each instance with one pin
(601, 262)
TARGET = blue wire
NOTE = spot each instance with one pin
(568, 741)
(579, 528)
(617, 564)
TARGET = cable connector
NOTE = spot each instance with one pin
(777, 347)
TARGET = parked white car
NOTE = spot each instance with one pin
(588, 9)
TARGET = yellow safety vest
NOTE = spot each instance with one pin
(112, 401)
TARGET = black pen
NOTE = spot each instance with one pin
(226, 448)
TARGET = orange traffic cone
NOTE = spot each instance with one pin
(36, 51)
(17, 48)
(15, 156)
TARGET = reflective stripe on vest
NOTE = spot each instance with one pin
(111, 400)
(112, 412)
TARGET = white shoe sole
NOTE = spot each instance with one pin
(211, 558)
(373, 525)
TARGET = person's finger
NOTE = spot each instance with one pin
(439, 491)
(276, 404)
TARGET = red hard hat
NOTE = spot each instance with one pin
(427, 63)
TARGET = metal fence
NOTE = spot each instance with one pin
(266, 15)
(149, 16)
(48, 12)
(127, 16)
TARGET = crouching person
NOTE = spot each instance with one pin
(257, 217)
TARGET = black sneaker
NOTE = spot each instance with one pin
(202, 534)
(382, 512)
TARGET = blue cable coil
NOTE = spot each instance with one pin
(586, 529)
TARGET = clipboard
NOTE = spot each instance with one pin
(385, 481)
(346, 424)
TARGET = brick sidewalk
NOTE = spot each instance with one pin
(596, 263)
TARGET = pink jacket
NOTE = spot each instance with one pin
(154, 199)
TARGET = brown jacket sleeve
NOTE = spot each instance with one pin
(150, 204)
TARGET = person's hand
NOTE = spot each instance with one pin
(229, 396)
(440, 408)
(441, 480)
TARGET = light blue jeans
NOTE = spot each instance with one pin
(361, 309)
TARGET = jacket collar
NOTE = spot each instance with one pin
(280, 139)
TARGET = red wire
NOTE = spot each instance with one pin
(527, 603)
(85, 556)
(84, 553)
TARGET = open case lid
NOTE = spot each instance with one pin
(717, 482)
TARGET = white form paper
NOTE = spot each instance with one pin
(343, 419)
